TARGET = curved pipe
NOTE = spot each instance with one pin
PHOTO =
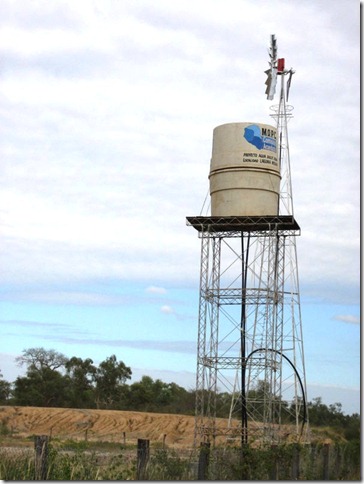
(298, 376)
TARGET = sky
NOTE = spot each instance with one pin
(107, 111)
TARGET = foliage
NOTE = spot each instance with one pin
(81, 374)
(265, 463)
(249, 463)
(15, 466)
(40, 358)
(4, 429)
(43, 387)
(352, 427)
(167, 466)
(72, 466)
(53, 380)
(80, 385)
(150, 395)
(110, 379)
(5, 390)
(120, 468)
(285, 462)
(322, 415)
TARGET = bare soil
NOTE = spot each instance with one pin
(98, 425)
(117, 426)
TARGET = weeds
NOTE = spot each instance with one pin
(71, 461)
(4, 429)
(16, 465)
(167, 466)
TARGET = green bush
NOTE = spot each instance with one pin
(167, 466)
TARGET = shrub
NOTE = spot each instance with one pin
(167, 466)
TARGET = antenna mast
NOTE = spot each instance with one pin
(282, 113)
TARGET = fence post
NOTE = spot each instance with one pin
(41, 457)
(142, 458)
(124, 438)
(326, 458)
(296, 462)
(203, 461)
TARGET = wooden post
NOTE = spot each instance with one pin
(164, 441)
(326, 459)
(142, 458)
(124, 438)
(203, 461)
(41, 457)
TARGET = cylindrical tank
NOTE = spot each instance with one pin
(244, 173)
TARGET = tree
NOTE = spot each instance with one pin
(110, 378)
(180, 400)
(5, 390)
(142, 395)
(41, 388)
(81, 375)
(261, 401)
(40, 358)
(223, 404)
(352, 428)
(150, 395)
(319, 413)
(43, 384)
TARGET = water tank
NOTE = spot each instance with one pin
(244, 173)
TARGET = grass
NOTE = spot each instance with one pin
(71, 465)
(90, 460)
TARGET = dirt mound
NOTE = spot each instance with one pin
(101, 425)
(112, 425)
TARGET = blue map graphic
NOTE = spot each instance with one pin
(253, 136)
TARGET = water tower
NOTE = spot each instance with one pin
(250, 360)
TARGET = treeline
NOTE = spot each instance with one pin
(53, 380)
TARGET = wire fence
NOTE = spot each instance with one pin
(144, 460)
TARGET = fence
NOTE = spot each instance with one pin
(285, 462)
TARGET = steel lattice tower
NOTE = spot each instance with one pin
(250, 360)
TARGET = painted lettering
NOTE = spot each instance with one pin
(269, 132)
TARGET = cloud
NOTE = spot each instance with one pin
(167, 310)
(34, 325)
(108, 132)
(185, 347)
(156, 290)
(63, 295)
(108, 110)
(53, 331)
(347, 318)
